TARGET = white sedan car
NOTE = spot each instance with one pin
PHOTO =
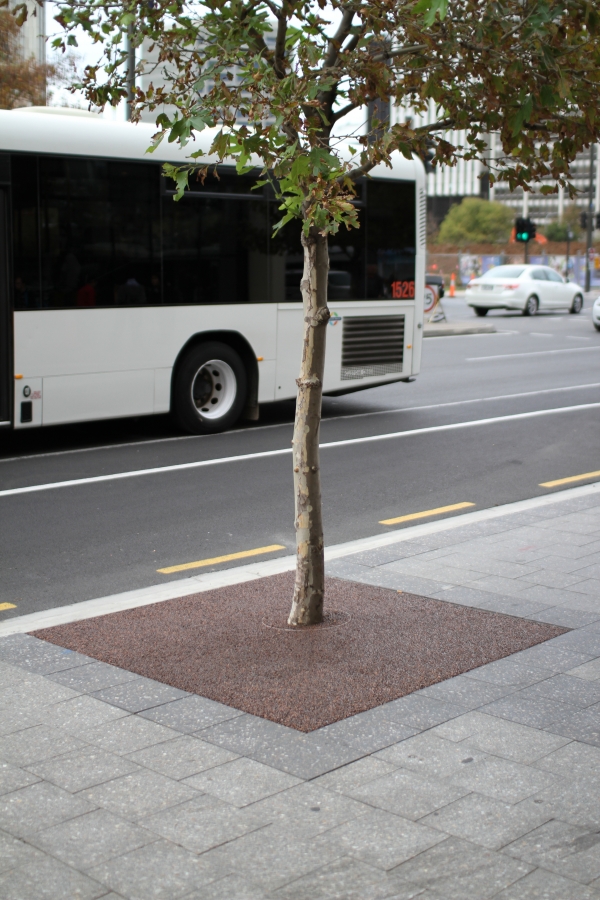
(524, 288)
(596, 313)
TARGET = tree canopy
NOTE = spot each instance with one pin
(476, 221)
(23, 81)
(279, 76)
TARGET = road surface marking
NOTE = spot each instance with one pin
(285, 451)
(569, 480)
(4, 606)
(243, 554)
(541, 334)
(531, 353)
(425, 513)
(260, 428)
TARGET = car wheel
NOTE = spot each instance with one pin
(210, 388)
(597, 327)
(531, 307)
(577, 304)
(481, 310)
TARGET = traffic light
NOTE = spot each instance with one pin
(597, 220)
(525, 230)
(583, 221)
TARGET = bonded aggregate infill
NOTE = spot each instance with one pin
(232, 645)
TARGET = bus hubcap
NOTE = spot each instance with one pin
(214, 389)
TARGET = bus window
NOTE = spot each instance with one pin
(214, 249)
(391, 243)
(26, 270)
(346, 262)
(100, 233)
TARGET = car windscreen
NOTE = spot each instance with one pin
(504, 272)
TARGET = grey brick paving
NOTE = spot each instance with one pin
(138, 794)
(48, 879)
(181, 757)
(191, 714)
(241, 781)
(90, 839)
(139, 694)
(92, 677)
(485, 785)
(82, 768)
(38, 806)
(204, 823)
(457, 869)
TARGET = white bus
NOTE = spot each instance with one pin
(117, 301)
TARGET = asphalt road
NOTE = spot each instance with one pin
(489, 419)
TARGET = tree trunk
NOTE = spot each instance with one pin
(307, 605)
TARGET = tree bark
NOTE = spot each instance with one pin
(309, 588)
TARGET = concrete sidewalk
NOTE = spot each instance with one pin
(485, 785)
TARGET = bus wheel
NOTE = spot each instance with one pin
(210, 389)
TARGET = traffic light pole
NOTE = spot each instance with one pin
(590, 222)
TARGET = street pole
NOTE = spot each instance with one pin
(569, 238)
(590, 222)
(130, 48)
(526, 216)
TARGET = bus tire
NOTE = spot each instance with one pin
(210, 389)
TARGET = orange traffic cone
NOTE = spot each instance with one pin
(452, 285)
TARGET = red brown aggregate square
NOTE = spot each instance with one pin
(376, 645)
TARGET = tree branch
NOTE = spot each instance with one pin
(335, 44)
(343, 112)
(445, 124)
(279, 61)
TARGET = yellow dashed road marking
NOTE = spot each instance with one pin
(569, 480)
(425, 513)
(221, 559)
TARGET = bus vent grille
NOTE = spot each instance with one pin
(422, 217)
(372, 345)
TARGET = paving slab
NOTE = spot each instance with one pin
(204, 823)
(49, 879)
(138, 794)
(456, 868)
(181, 757)
(568, 850)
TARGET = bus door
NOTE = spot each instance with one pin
(5, 318)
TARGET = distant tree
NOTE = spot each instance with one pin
(476, 221)
(557, 230)
(23, 81)
(277, 79)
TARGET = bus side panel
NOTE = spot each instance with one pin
(289, 340)
(100, 363)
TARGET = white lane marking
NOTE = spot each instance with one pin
(259, 428)
(184, 587)
(577, 337)
(180, 467)
(532, 353)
